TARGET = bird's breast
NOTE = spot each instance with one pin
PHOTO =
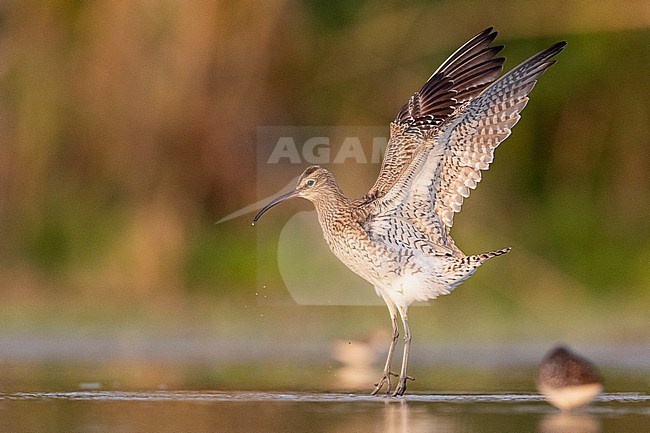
(352, 247)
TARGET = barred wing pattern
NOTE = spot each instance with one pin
(472, 137)
(448, 161)
(464, 75)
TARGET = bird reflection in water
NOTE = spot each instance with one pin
(403, 417)
(567, 422)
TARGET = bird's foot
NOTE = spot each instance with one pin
(401, 386)
(385, 379)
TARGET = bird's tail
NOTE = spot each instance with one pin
(479, 259)
(462, 268)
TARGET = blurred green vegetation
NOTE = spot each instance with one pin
(128, 128)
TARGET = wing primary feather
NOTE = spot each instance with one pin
(445, 163)
(473, 55)
(478, 58)
(479, 127)
(486, 37)
(463, 77)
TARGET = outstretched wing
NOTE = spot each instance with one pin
(447, 164)
(464, 75)
(487, 121)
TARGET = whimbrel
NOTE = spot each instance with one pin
(397, 236)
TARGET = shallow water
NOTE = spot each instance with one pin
(166, 411)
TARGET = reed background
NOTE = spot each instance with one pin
(128, 128)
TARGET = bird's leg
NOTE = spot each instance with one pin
(401, 381)
(387, 373)
(392, 309)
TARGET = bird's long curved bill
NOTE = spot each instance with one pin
(282, 198)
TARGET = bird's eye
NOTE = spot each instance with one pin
(310, 182)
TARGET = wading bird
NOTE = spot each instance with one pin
(567, 380)
(397, 236)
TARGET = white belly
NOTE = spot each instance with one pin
(570, 397)
(402, 276)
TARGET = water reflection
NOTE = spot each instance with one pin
(397, 416)
(400, 417)
(239, 412)
(568, 423)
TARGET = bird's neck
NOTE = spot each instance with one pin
(331, 205)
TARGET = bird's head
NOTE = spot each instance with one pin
(314, 181)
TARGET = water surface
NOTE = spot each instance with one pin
(166, 411)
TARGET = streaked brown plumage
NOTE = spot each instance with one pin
(567, 380)
(398, 236)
